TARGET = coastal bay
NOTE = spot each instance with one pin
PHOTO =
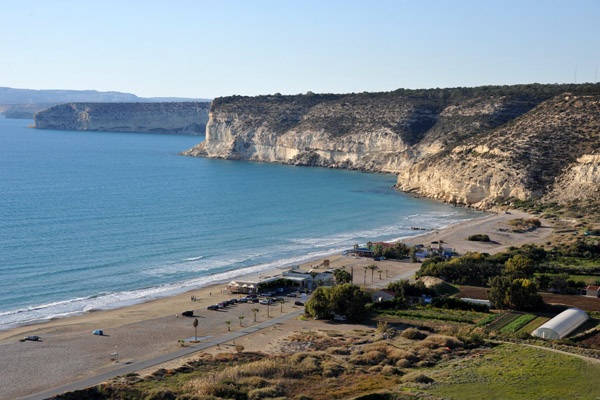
(100, 220)
(143, 331)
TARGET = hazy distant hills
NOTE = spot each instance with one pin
(30, 96)
(23, 103)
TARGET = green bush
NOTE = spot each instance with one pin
(479, 238)
(413, 334)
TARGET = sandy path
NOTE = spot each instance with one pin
(69, 351)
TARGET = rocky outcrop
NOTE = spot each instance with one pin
(579, 183)
(465, 146)
(172, 117)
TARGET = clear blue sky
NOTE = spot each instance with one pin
(223, 47)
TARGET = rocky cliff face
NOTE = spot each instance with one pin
(173, 117)
(465, 146)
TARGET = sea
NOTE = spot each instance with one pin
(100, 220)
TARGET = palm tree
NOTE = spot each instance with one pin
(255, 310)
(241, 317)
(372, 268)
(379, 271)
(268, 305)
(228, 325)
(282, 302)
(195, 324)
(369, 245)
(365, 280)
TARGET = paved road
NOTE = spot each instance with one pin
(94, 380)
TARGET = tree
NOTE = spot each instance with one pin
(372, 268)
(195, 324)
(255, 310)
(379, 271)
(401, 249)
(543, 281)
(268, 306)
(318, 306)
(378, 251)
(241, 317)
(369, 245)
(282, 302)
(228, 323)
(348, 300)
(342, 276)
(518, 294)
(365, 278)
(345, 299)
(413, 254)
(519, 267)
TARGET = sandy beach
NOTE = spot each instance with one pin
(70, 352)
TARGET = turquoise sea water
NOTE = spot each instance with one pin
(93, 220)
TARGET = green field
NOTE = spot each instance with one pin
(532, 325)
(503, 321)
(518, 323)
(588, 279)
(516, 372)
(440, 314)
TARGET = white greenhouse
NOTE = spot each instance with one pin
(561, 325)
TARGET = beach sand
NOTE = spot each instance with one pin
(70, 352)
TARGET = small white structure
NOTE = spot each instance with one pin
(477, 301)
(561, 325)
(592, 291)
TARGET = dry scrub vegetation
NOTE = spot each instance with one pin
(335, 366)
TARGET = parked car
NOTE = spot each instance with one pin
(222, 304)
(291, 295)
(232, 301)
(278, 299)
(279, 290)
(98, 332)
(187, 313)
(298, 303)
(31, 338)
(213, 307)
(265, 302)
(243, 300)
(254, 300)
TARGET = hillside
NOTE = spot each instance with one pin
(179, 118)
(464, 145)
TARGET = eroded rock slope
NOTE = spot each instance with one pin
(465, 146)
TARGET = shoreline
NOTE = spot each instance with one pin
(69, 352)
(219, 278)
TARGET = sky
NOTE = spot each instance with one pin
(207, 49)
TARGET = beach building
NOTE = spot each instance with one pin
(561, 325)
(360, 252)
(309, 279)
(383, 295)
(242, 287)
